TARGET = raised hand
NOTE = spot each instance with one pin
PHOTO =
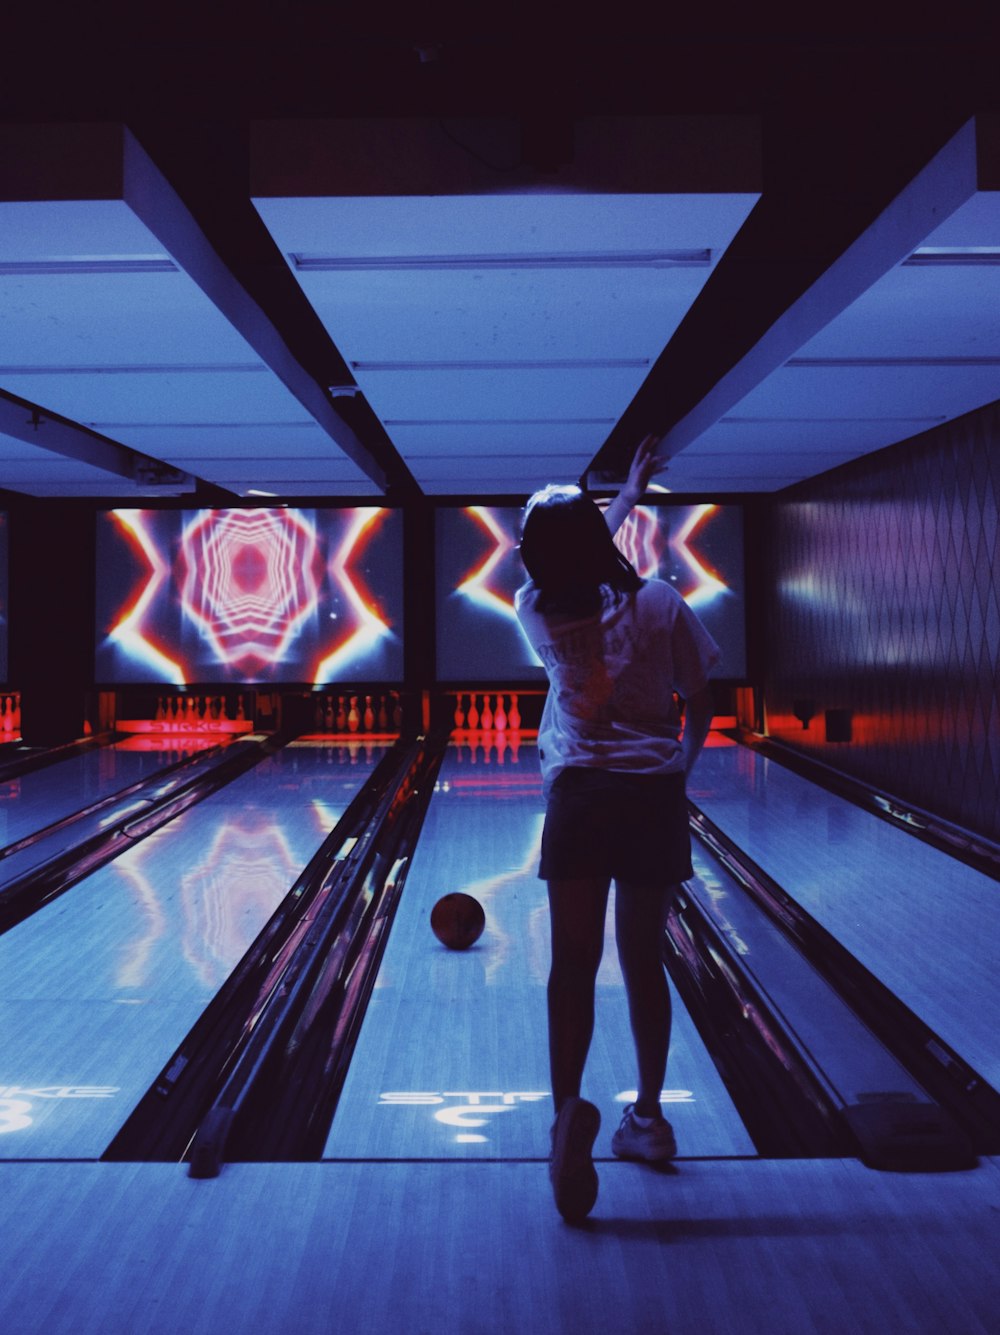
(645, 462)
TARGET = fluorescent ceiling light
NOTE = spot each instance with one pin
(500, 421)
(90, 264)
(417, 460)
(570, 364)
(924, 255)
(794, 421)
(178, 369)
(201, 426)
(612, 259)
(823, 363)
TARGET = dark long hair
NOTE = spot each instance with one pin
(569, 552)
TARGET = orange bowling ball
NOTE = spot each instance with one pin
(458, 920)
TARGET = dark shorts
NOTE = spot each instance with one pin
(631, 827)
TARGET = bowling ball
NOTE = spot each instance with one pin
(457, 920)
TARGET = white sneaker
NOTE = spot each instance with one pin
(571, 1168)
(653, 1143)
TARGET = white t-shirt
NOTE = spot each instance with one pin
(612, 676)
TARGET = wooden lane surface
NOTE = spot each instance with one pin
(452, 1060)
(39, 797)
(923, 923)
(726, 1247)
(99, 987)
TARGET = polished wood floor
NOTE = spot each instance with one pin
(752, 1248)
(417, 1223)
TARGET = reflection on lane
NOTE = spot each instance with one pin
(452, 1059)
(36, 799)
(100, 986)
(247, 868)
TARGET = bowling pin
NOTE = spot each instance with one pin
(473, 714)
(486, 717)
(459, 714)
(499, 715)
(369, 715)
(514, 716)
(383, 717)
(341, 714)
(353, 717)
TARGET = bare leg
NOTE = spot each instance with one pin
(640, 918)
(576, 910)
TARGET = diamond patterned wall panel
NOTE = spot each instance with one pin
(884, 600)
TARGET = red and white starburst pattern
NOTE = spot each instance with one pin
(241, 876)
(130, 632)
(263, 594)
(707, 585)
(476, 584)
(640, 542)
(640, 539)
(370, 623)
(249, 580)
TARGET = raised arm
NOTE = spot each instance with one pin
(645, 463)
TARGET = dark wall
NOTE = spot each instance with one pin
(883, 583)
(51, 617)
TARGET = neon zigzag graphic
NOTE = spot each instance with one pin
(637, 538)
(249, 581)
(475, 585)
(128, 632)
(707, 585)
(372, 628)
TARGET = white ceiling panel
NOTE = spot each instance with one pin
(497, 314)
(745, 470)
(474, 314)
(40, 472)
(501, 471)
(918, 345)
(526, 436)
(893, 400)
(102, 324)
(502, 479)
(500, 320)
(292, 469)
(582, 389)
(923, 310)
(185, 443)
(804, 436)
(266, 485)
(142, 394)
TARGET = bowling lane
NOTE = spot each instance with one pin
(38, 798)
(99, 987)
(922, 922)
(452, 1060)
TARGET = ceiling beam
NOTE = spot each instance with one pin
(849, 203)
(158, 205)
(36, 426)
(947, 181)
